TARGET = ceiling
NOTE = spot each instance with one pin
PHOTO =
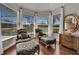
(39, 6)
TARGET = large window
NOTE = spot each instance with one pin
(42, 22)
(27, 23)
(8, 21)
(56, 23)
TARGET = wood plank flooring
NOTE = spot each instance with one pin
(60, 50)
(10, 51)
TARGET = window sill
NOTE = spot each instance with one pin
(4, 38)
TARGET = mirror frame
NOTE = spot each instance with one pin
(77, 22)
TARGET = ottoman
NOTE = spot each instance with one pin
(48, 41)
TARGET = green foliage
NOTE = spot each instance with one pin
(55, 28)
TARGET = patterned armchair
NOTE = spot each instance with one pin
(24, 44)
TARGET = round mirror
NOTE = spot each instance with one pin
(71, 22)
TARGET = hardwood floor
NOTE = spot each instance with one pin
(10, 51)
(60, 50)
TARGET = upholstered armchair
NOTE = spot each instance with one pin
(39, 33)
(24, 44)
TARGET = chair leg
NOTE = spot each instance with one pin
(38, 50)
(55, 44)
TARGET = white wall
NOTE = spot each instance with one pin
(72, 8)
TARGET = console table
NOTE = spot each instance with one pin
(69, 41)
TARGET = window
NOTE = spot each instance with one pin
(56, 23)
(42, 22)
(27, 23)
(8, 21)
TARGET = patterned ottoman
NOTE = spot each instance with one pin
(27, 48)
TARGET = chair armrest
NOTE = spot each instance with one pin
(23, 40)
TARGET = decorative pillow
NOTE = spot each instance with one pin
(24, 36)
